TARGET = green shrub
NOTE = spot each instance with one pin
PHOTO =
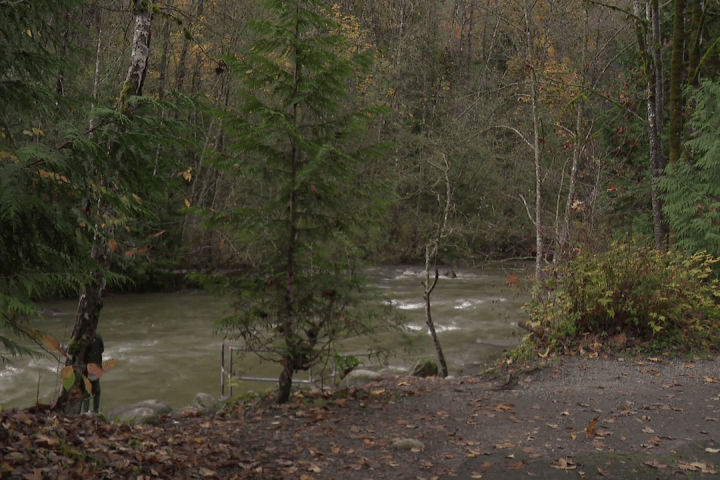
(662, 299)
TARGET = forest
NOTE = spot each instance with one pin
(267, 150)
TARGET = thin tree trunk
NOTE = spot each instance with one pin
(90, 303)
(537, 153)
(649, 59)
(578, 148)
(96, 78)
(197, 70)
(165, 58)
(677, 71)
(285, 382)
(697, 20)
(431, 260)
(182, 61)
(655, 118)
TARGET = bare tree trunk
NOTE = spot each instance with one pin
(431, 261)
(650, 56)
(96, 78)
(537, 152)
(677, 70)
(182, 61)
(90, 303)
(165, 58)
(578, 148)
(197, 70)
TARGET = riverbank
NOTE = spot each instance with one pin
(655, 417)
(167, 346)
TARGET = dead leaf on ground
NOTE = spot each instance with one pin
(206, 472)
(564, 464)
(653, 442)
(505, 444)
(654, 463)
(696, 467)
(590, 430)
(516, 465)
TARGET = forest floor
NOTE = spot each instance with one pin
(571, 418)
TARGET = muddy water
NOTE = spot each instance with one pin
(167, 347)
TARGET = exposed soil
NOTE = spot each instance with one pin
(655, 419)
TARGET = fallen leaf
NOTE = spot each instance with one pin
(647, 429)
(516, 465)
(564, 464)
(712, 450)
(654, 463)
(590, 430)
(696, 467)
(504, 444)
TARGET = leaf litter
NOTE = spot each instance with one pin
(347, 434)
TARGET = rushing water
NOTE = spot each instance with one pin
(167, 347)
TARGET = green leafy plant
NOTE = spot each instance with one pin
(657, 298)
(68, 374)
(692, 184)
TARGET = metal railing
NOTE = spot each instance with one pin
(229, 374)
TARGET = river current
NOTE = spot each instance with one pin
(167, 347)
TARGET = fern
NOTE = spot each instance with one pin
(692, 185)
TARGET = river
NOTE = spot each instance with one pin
(167, 347)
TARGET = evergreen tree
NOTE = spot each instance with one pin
(692, 186)
(40, 251)
(303, 206)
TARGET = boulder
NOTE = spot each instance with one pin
(390, 373)
(425, 368)
(205, 404)
(407, 444)
(147, 412)
(359, 378)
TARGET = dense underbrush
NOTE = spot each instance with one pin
(631, 297)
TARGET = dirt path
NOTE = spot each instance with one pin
(655, 419)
